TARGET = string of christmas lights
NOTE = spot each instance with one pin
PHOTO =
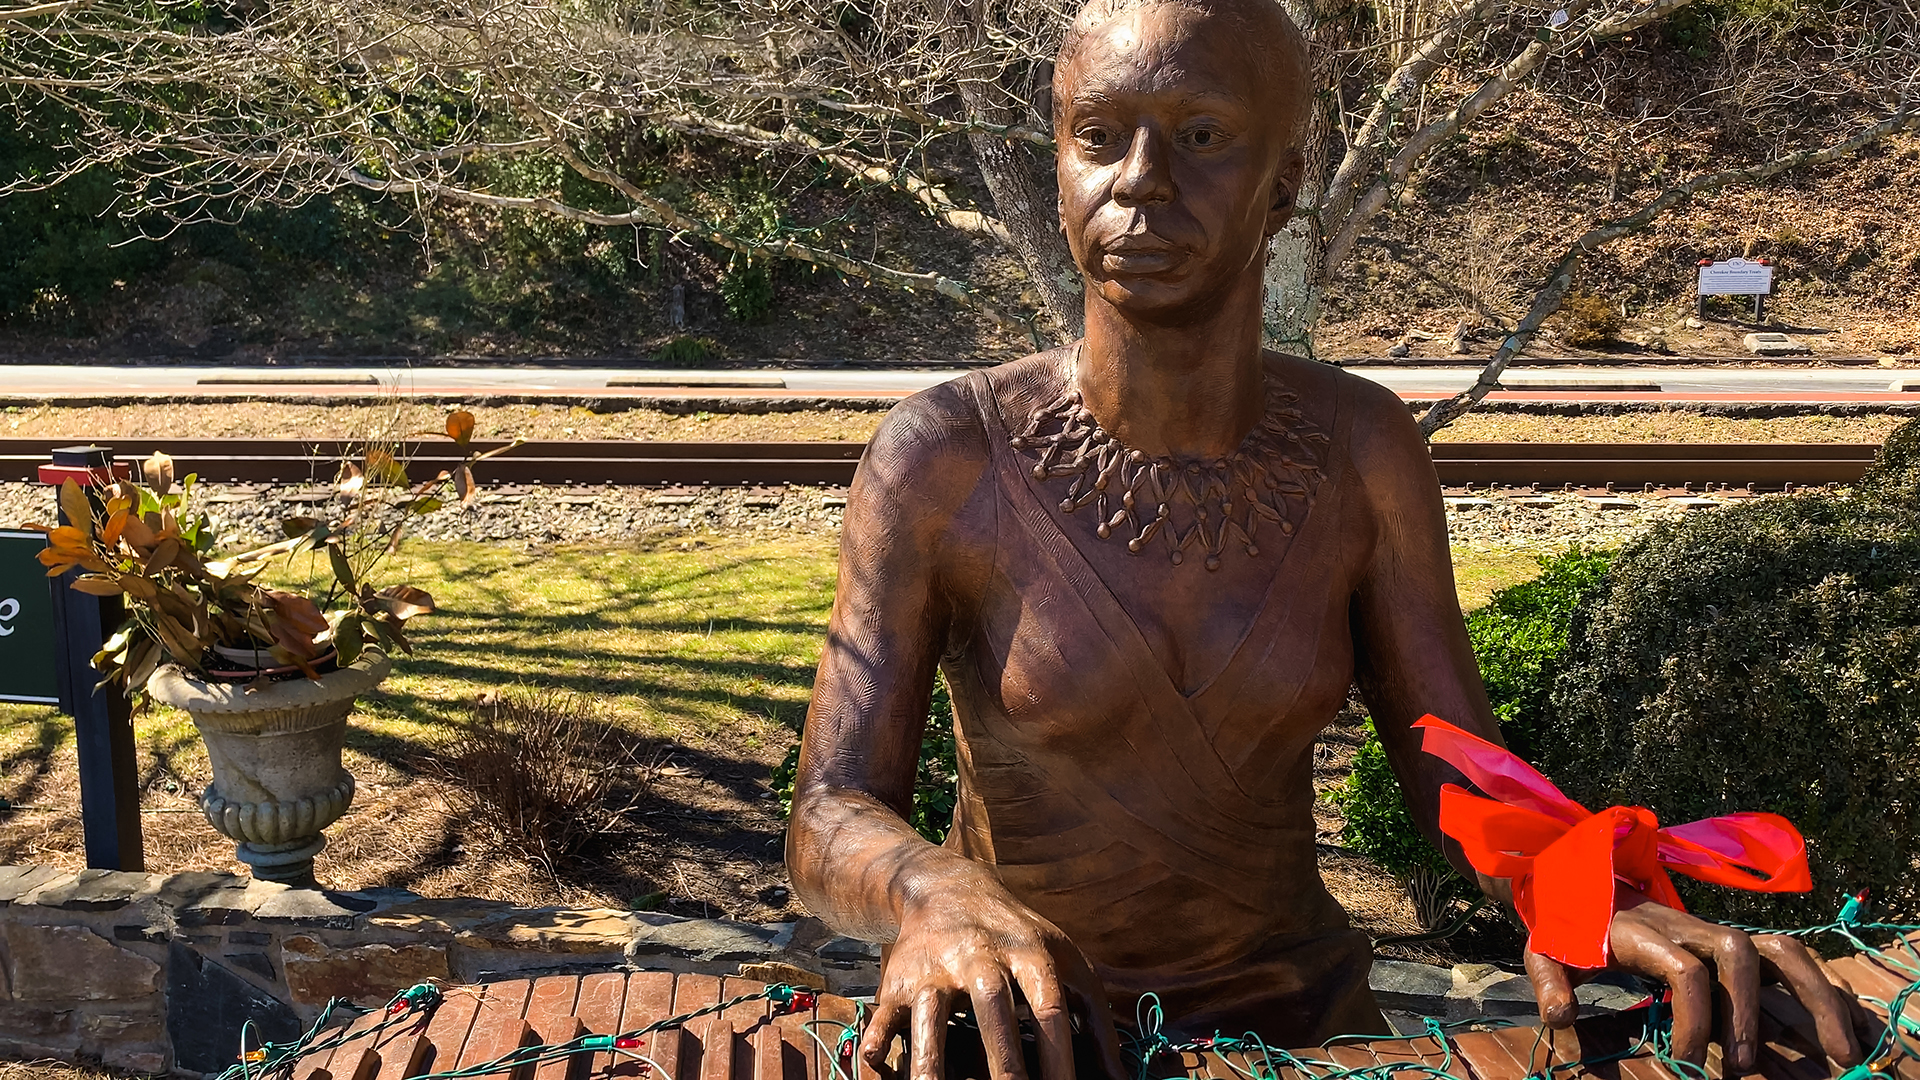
(1901, 1038)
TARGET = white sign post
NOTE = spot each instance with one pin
(1736, 277)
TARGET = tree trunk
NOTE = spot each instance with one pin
(1296, 256)
(1029, 210)
(1292, 303)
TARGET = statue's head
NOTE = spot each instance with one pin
(1179, 126)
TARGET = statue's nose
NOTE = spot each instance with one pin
(1144, 173)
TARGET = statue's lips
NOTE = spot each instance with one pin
(1141, 255)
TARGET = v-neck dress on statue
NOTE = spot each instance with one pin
(1197, 883)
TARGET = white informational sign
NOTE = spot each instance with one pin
(1736, 277)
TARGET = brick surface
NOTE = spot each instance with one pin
(649, 1001)
(692, 992)
(1487, 1058)
(601, 999)
(403, 1051)
(339, 1062)
(717, 1045)
(802, 1055)
(550, 1015)
(842, 1011)
(500, 1026)
(451, 1024)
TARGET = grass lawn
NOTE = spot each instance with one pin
(697, 654)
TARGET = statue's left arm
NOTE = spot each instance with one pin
(1413, 658)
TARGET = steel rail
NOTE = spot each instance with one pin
(622, 462)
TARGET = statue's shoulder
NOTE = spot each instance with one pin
(1377, 432)
(938, 441)
(1325, 391)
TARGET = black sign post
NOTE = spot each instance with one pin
(102, 717)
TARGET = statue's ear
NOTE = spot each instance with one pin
(1286, 190)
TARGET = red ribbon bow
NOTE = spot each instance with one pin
(1563, 860)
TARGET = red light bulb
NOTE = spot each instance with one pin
(628, 1042)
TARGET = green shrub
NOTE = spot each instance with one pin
(1589, 319)
(747, 290)
(1517, 639)
(1522, 631)
(685, 351)
(64, 248)
(1377, 823)
(936, 784)
(1763, 657)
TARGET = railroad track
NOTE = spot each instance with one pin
(1762, 466)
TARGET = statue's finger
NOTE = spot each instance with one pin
(929, 1040)
(1553, 989)
(889, 1019)
(1736, 966)
(1090, 999)
(1052, 1022)
(1638, 948)
(999, 1028)
(1787, 960)
(1866, 1026)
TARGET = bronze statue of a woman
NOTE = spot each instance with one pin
(1150, 565)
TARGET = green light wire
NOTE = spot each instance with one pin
(1146, 1041)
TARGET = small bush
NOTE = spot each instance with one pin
(1763, 657)
(685, 351)
(1589, 319)
(747, 290)
(534, 767)
(1520, 634)
(936, 783)
(1518, 639)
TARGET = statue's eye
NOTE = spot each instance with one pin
(1096, 138)
(1204, 137)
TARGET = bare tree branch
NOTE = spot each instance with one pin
(34, 11)
(793, 140)
(1424, 140)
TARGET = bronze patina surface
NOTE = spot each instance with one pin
(1150, 564)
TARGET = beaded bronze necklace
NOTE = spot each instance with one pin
(1191, 502)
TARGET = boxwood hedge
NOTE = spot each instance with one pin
(1764, 656)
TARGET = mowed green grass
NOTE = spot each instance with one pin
(711, 642)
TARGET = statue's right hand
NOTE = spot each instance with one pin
(974, 939)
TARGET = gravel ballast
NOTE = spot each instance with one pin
(245, 514)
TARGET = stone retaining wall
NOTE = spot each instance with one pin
(154, 973)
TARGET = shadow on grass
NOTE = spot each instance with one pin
(50, 732)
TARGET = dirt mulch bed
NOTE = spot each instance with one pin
(702, 837)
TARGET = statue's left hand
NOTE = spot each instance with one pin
(1689, 955)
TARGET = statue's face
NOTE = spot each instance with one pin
(1172, 161)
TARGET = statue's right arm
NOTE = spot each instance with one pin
(855, 861)
(853, 857)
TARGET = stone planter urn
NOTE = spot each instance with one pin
(275, 750)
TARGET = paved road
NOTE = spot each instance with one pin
(1547, 383)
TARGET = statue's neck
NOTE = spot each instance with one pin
(1188, 389)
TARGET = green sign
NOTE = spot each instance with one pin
(26, 621)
